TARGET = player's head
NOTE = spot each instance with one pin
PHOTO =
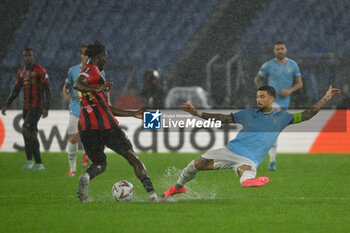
(280, 50)
(83, 57)
(265, 97)
(28, 57)
(97, 54)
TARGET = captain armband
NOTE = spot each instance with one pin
(297, 118)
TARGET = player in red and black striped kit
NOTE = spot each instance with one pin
(35, 82)
(99, 128)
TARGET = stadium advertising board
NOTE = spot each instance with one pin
(327, 132)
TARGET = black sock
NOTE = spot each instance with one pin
(28, 147)
(36, 149)
(147, 184)
(96, 168)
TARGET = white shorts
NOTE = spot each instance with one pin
(73, 124)
(225, 159)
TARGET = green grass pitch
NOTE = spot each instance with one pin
(307, 193)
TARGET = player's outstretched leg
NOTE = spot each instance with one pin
(83, 187)
(141, 173)
(189, 173)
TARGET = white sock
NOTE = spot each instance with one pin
(187, 174)
(152, 194)
(86, 175)
(247, 175)
(83, 150)
(72, 156)
(273, 152)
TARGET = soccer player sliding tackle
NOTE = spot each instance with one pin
(261, 127)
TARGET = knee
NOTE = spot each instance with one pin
(204, 164)
(73, 138)
(26, 133)
(243, 168)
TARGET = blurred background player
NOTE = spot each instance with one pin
(35, 82)
(152, 92)
(245, 153)
(99, 128)
(283, 74)
(71, 98)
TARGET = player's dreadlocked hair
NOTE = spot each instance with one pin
(94, 49)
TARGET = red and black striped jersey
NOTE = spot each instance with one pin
(94, 111)
(33, 81)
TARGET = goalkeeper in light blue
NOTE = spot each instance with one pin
(261, 127)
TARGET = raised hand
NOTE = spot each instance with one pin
(188, 107)
(331, 92)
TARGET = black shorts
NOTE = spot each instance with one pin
(94, 142)
(31, 118)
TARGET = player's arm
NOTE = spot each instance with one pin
(47, 98)
(312, 111)
(262, 74)
(66, 92)
(298, 84)
(11, 98)
(82, 84)
(126, 113)
(225, 119)
(44, 84)
(258, 81)
(108, 98)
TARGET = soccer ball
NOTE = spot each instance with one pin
(123, 191)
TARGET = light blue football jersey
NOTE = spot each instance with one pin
(259, 133)
(280, 77)
(73, 73)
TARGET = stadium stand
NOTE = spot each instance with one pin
(307, 27)
(179, 37)
(316, 34)
(143, 33)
